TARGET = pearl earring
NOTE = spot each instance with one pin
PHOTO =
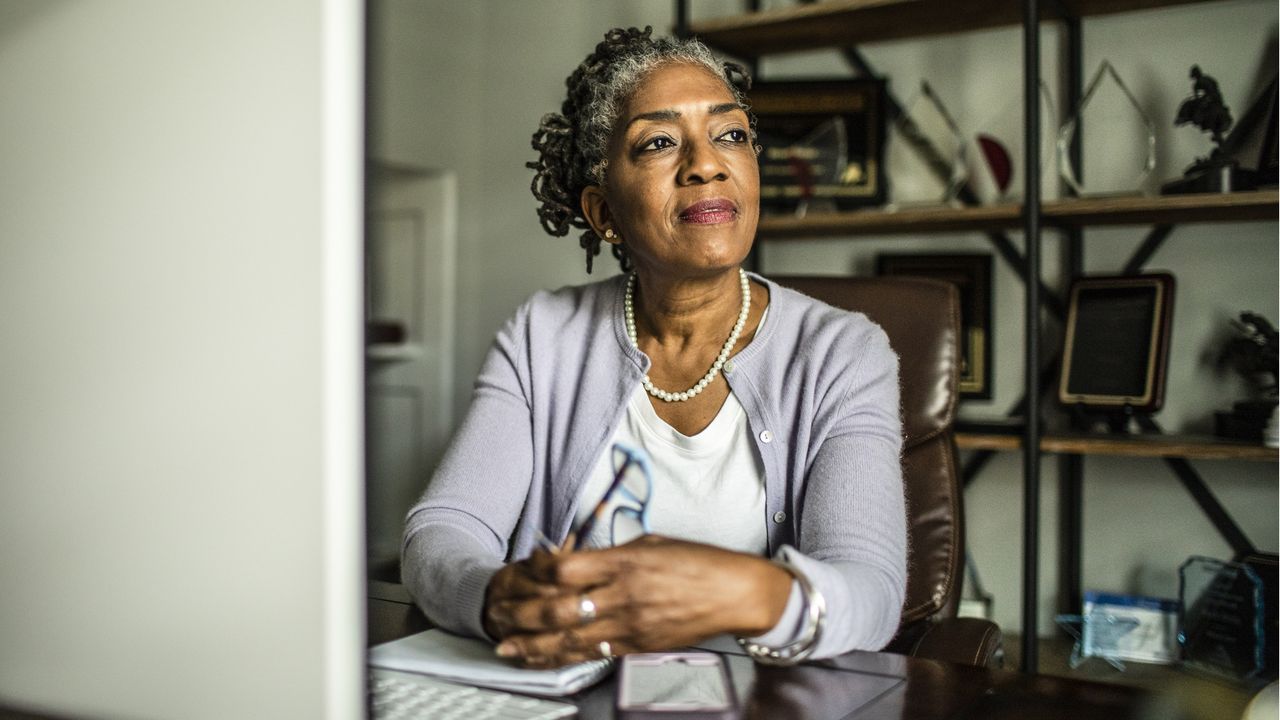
(609, 234)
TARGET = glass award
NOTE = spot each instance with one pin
(1049, 118)
(1097, 634)
(1220, 625)
(1118, 627)
(932, 130)
(1112, 128)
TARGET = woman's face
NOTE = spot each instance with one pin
(682, 185)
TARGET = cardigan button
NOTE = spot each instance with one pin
(728, 367)
(766, 436)
(779, 517)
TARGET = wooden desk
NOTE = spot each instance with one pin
(856, 686)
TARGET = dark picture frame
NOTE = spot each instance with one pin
(791, 171)
(1268, 162)
(971, 274)
(1116, 350)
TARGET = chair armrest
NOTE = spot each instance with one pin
(964, 640)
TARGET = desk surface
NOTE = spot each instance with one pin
(856, 686)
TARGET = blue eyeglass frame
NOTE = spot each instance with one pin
(630, 456)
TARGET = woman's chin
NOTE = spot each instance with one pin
(703, 269)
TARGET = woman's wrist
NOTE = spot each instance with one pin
(486, 623)
(769, 590)
(801, 644)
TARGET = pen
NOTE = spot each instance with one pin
(545, 543)
(585, 531)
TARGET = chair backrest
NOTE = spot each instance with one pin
(922, 319)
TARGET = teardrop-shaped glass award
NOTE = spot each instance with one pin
(1112, 127)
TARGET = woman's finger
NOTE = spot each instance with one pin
(567, 610)
(541, 566)
(512, 583)
(518, 581)
(600, 567)
(541, 614)
(555, 649)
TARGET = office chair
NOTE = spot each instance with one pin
(922, 319)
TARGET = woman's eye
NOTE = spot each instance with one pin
(658, 143)
(736, 135)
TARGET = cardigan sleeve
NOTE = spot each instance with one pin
(456, 536)
(852, 534)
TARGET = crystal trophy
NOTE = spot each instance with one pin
(1097, 634)
(1221, 612)
(1065, 167)
(931, 128)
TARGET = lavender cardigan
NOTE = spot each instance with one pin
(820, 389)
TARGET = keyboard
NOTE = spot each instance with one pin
(399, 695)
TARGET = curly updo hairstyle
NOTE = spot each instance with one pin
(572, 145)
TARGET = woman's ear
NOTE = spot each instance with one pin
(595, 208)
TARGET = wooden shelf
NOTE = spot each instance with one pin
(840, 23)
(1165, 209)
(939, 218)
(1255, 205)
(1192, 447)
(984, 441)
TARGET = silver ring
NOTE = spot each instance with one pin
(586, 610)
(606, 650)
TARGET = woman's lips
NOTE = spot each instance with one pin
(709, 212)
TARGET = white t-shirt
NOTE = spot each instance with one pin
(707, 488)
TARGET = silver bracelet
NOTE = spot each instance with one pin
(803, 646)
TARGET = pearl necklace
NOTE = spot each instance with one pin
(715, 367)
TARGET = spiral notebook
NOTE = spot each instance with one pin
(473, 662)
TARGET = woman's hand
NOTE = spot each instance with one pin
(516, 585)
(652, 594)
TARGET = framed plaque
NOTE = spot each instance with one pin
(823, 143)
(971, 274)
(1117, 342)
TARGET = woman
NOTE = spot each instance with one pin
(772, 419)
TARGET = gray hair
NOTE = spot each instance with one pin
(607, 96)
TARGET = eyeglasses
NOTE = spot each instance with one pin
(625, 504)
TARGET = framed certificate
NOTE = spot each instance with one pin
(823, 143)
(1117, 342)
(971, 274)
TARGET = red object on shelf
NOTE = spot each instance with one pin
(997, 160)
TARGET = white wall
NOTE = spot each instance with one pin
(179, 376)
(465, 83)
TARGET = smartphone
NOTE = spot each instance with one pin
(675, 686)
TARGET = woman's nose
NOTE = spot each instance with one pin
(702, 163)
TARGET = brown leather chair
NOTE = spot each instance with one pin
(922, 319)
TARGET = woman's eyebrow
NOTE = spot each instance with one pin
(672, 115)
(656, 115)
